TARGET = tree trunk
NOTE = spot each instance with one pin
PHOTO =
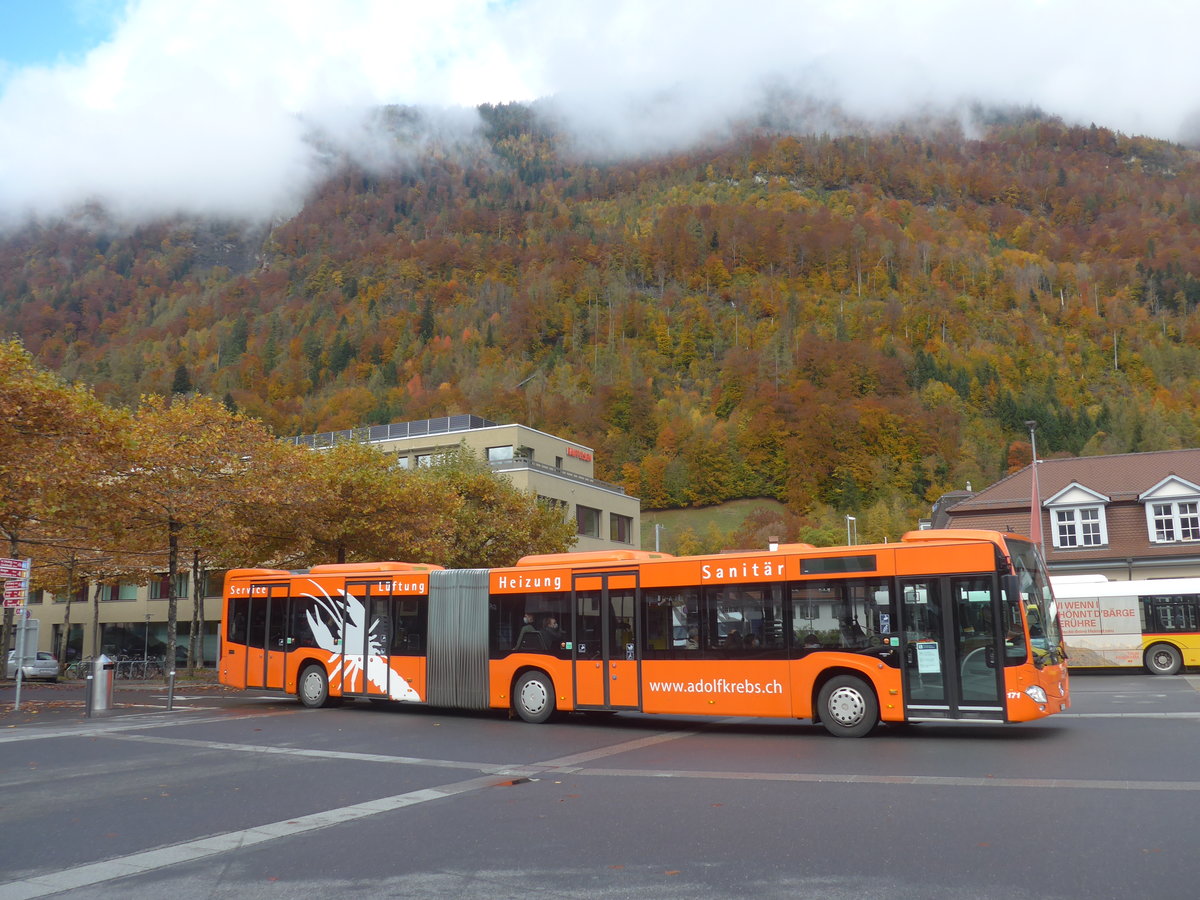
(96, 648)
(173, 529)
(195, 644)
(64, 636)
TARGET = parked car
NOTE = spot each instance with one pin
(44, 666)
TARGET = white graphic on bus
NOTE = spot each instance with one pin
(348, 615)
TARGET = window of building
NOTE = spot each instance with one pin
(1178, 521)
(80, 596)
(160, 588)
(500, 454)
(118, 591)
(214, 583)
(1079, 527)
(588, 520)
(402, 462)
(620, 528)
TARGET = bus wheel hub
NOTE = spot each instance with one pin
(847, 706)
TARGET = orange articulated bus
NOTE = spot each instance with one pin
(942, 625)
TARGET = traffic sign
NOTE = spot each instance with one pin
(13, 568)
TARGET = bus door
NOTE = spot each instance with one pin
(605, 629)
(952, 639)
(267, 638)
(368, 628)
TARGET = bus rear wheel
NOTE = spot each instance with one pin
(533, 696)
(848, 707)
(1163, 659)
(313, 689)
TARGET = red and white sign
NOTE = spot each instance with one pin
(1100, 615)
(579, 454)
(16, 571)
(13, 568)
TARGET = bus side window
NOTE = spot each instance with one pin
(1015, 651)
(410, 618)
(744, 619)
(672, 623)
(301, 630)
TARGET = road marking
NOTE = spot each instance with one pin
(490, 768)
(1130, 715)
(219, 844)
(1094, 784)
(163, 857)
(135, 722)
(567, 761)
(559, 764)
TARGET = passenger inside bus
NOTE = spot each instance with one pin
(554, 636)
(529, 638)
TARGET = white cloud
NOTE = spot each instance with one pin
(204, 106)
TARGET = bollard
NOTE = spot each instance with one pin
(171, 691)
(100, 686)
(87, 695)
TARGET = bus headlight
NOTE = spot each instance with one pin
(1035, 693)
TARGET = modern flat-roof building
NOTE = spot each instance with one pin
(559, 471)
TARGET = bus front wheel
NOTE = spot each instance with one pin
(314, 687)
(1163, 659)
(848, 707)
(533, 696)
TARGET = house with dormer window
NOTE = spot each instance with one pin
(1127, 516)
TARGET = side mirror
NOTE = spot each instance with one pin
(1011, 586)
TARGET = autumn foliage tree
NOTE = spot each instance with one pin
(185, 465)
(52, 440)
(97, 494)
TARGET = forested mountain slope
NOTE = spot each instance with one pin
(851, 323)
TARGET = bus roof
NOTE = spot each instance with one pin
(365, 567)
(590, 557)
(1147, 587)
(956, 535)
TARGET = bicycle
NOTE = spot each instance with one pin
(80, 669)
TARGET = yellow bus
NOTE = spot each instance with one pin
(934, 627)
(1153, 623)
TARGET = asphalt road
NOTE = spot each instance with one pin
(235, 795)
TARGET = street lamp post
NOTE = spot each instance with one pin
(1035, 504)
(146, 639)
(851, 529)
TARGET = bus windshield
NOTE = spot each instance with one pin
(1040, 609)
